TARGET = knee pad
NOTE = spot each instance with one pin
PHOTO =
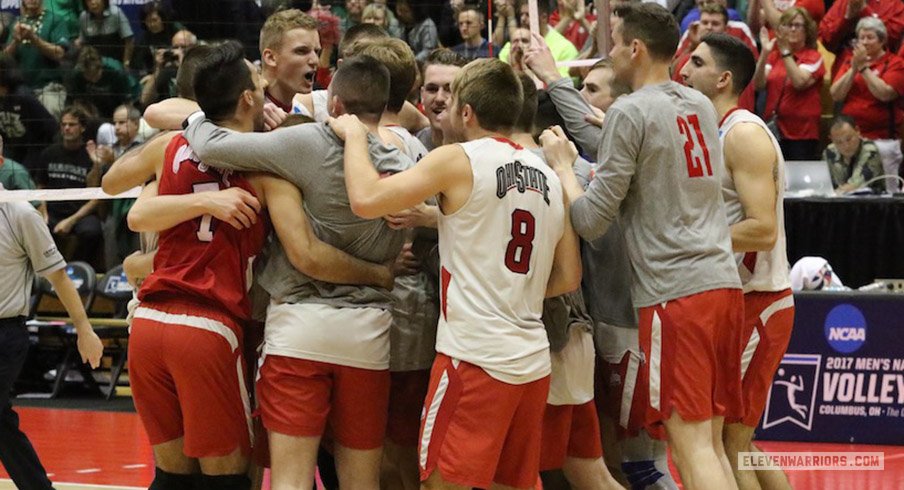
(647, 475)
(164, 480)
(225, 482)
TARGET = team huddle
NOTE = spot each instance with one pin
(463, 307)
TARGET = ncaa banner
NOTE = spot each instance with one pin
(842, 377)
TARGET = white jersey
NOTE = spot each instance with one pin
(319, 100)
(759, 271)
(412, 147)
(496, 256)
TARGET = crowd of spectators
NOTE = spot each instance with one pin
(76, 75)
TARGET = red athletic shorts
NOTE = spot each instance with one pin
(692, 347)
(622, 391)
(769, 318)
(478, 430)
(406, 404)
(187, 376)
(569, 431)
(298, 397)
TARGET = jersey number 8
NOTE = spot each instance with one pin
(517, 254)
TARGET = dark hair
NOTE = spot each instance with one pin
(185, 77)
(77, 112)
(651, 24)
(156, 6)
(85, 5)
(525, 122)
(358, 32)
(444, 56)
(842, 119)
(731, 54)
(471, 8)
(220, 78)
(355, 73)
(88, 57)
(10, 75)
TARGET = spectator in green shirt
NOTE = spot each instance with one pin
(853, 160)
(99, 80)
(38, 41)
(14, 176)
(562, 49)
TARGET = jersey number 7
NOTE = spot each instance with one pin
(694, 168)
(205, 230)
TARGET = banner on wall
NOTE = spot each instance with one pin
(842, 378)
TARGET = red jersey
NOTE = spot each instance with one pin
(203, 261)
(798, 111)
(576, 33)
(877, 119)
(835, 31)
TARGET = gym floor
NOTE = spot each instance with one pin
(91, 449)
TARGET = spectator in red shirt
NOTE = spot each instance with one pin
(870, 84)
(572, 21)
(836, 31)
(769, 12)
(713, 18)
(791, 69)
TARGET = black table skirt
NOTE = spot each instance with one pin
(861, 237)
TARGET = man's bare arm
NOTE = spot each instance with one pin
(169, 113)
(137, 165)
(151, 212)
(566, 266)
(305, 250)
(373, 197)
(752, 161)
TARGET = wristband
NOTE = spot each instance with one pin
(787, 54)
(863, 69)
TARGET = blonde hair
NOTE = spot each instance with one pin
(371, 10)
(282, 22)
(398, 58)
(493, 91)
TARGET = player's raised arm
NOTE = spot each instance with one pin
(305, 251)
(751, 159)
(442, 171)
(137, 165)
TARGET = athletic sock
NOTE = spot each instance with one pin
(164, 480)
(226, 482)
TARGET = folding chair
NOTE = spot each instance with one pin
(115, 287)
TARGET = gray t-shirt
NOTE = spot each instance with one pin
(572, 107)
(311, 157)
(26, 248)
(660, 174)
(607, 269)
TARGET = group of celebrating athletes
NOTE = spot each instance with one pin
(686, 300)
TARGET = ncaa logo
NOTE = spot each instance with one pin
(845, 328)
(792, 398)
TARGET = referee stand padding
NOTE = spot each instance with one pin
(105, 298)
